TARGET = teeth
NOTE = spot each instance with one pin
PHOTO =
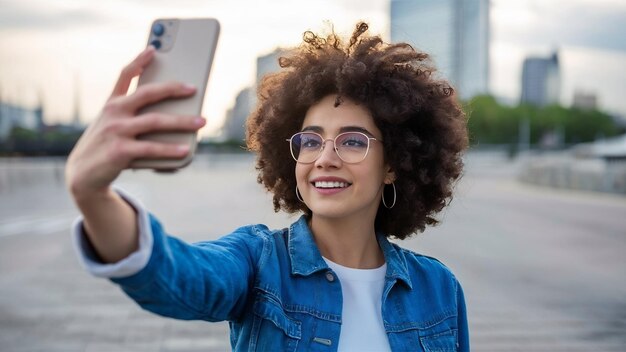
(323, 184)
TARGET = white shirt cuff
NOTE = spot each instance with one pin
(125, 267)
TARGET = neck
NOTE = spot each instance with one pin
(348, 242)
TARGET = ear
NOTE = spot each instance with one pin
(390, 175)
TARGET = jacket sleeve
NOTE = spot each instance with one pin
(130, 265)
(167, 276)
(463, 329)
(208, 280)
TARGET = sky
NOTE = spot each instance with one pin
(52, 49)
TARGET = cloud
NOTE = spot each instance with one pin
(578, 23)
(599, 28)
(15, 16)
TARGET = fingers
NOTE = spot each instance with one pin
(154, 92)
(132, 70)
(162, 122)
(153, 150)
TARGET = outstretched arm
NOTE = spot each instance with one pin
(109, 145)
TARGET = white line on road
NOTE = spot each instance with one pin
(30, 225)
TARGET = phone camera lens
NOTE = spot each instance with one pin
(156, 44)
(158, 29)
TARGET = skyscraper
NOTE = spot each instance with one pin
(455, 33)
(234, 125)
(268, 63)
(541, 81)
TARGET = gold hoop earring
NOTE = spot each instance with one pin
(298, 195)
(394, 196)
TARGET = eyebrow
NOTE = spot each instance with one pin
(343, 129)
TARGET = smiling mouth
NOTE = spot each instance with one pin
(330, 185)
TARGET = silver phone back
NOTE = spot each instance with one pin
(186, 54)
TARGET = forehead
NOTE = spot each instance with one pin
(331, 119)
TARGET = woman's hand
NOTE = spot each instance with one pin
(109, 145)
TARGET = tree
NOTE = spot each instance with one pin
(492, 123)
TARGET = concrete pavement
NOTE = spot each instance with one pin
(543, 270)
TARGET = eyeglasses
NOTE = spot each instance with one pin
(351, 147)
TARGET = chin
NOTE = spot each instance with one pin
(329, 212)
(333, 211)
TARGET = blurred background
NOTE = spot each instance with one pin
(536, 232)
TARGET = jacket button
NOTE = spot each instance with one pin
(329, 276)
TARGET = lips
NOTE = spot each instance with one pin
(323, 184)
(330, 183)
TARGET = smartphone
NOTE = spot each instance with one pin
(184, 53)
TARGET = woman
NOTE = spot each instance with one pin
(362, 139)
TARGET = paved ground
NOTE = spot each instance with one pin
(542, 269)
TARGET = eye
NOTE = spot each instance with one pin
(353, 143)
(310, 142)
(353, 140)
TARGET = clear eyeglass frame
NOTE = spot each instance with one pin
(323, 144)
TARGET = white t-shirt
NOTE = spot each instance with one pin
(362, 326)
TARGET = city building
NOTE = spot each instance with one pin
(268, 63)
(585, 100)
(541, 82)
(455, 33)
(12, 116)
(234, 124)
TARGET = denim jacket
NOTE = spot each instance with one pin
(278, 293)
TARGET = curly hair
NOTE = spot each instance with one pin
(423, 127)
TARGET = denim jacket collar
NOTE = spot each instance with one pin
(306, 258)
(396, 263)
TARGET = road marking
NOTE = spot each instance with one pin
(36, 225)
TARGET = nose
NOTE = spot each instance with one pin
(328, 155)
